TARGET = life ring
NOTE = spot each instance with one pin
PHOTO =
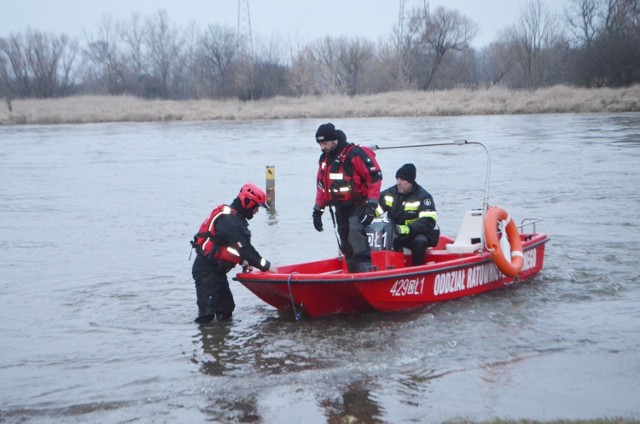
(497, 216)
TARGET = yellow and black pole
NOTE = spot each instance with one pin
(271, 186)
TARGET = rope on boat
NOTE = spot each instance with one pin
(297, 314)
(335, 229)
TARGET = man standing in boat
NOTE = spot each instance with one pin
(349, 178)
(413, 211)
(222, 242)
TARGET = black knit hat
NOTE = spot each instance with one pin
(407, 172)
(326, 132)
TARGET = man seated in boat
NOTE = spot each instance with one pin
(413, 212)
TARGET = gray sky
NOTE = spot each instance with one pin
(298, 20)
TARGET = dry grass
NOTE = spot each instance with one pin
(495, 100)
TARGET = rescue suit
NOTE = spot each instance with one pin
(349, 178)
(415, 218)
(227, 244)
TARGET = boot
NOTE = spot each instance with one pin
(203, 319)
(206, 308)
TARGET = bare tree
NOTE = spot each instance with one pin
(437, 34)
(617, 51)
(108, 66)
(271, 75)
(326, 56)
(583, 21)
(6, 89)
(581, 16)
(164, 56)
(431, 50)
(305, 78)
(354, 56)
(189, 86)
(316, 68)
(620, 16)
(448, 30)
(36, 64)
(531, 38)
(133, 37)
(497, 62)
(406, 41)
(607, 41)
(67, 68)
(217, 54)
(386, 73)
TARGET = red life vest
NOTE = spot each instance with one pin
(341, 185)
(205, 240)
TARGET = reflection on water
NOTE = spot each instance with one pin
(97, 301)
(217, 359)
(356, 405)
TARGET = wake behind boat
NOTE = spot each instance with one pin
(489, 252)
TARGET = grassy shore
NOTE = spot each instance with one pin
(495, 100)
(591, 421)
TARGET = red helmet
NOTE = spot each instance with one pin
(250, 196)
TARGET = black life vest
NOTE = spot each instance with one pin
(205, 241)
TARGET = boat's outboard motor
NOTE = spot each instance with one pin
(380, 234)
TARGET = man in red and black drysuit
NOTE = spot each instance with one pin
(223, 241)
(349, 178)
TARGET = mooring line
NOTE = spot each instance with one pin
(296, 314)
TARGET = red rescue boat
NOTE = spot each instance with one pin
(489, 252)
(324, 287)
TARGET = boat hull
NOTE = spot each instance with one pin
(324, 287)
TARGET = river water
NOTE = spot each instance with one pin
(97, 301)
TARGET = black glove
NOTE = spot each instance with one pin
(317, 218)
(368, 213)
(398, 243)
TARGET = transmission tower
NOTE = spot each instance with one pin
(245, 42)
(401, 15)
(401, 20)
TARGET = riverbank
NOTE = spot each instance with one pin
(490, 101)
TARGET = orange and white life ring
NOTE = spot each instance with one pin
(497, 220)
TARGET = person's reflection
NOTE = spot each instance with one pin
(215, 359)
(356, 406)
(220, 356)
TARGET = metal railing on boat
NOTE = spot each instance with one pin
(529, 222)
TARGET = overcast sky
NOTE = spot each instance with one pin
(301, 20)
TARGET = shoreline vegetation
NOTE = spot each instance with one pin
(486, 101)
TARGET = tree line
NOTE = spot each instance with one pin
(595, 43)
